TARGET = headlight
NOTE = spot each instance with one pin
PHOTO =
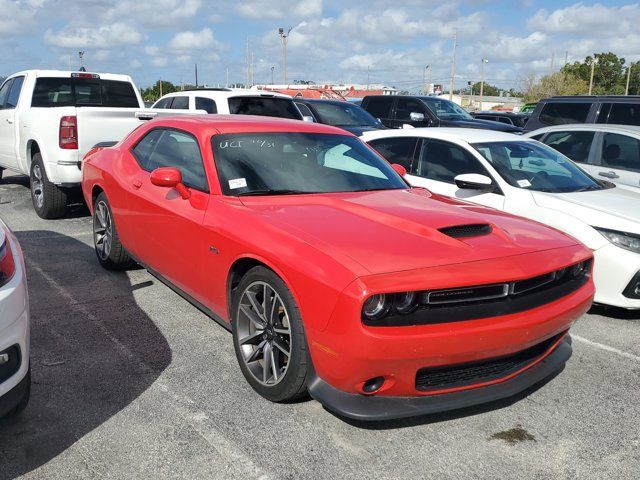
(376, 306)
(628, 241)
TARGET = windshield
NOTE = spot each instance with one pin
(534, 166)
(446, 110)
(343, 115)
(264, 106)
(293, 163)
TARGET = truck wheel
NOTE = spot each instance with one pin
(49, 200)
(110, 252)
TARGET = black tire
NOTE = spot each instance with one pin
(24, 401)
(49, 200)
(113, 256)
(293, 383)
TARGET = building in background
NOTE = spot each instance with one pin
(331, 91)
(472, 102)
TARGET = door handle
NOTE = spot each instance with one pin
(137, 184)
(609, 174)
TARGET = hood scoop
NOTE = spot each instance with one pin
(466, 231)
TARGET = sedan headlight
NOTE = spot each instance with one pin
(628, 241)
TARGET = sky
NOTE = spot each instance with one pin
(331, 41)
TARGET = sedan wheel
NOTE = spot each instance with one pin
(110, 252)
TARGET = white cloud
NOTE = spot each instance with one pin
(277, 9)
(190, 40)
(156, 13)
(18, 16)
(104, 37)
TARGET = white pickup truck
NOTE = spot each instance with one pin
(50, 119)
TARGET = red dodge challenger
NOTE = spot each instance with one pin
(334, 276)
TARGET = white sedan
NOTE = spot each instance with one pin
(524, 177)
(15, 378)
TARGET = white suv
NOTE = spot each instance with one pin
(232, 101)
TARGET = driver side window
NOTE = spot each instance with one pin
(443, 161)
(407, 106)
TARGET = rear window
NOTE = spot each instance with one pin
(379, 107)
(562, 113)
(81, 92)
(264, 106)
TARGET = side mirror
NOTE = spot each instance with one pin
(308, 118)
(416, 117)
(400, 170)
(474, 181)
(170, 177)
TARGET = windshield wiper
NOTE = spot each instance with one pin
(272, 191)
(589, 187)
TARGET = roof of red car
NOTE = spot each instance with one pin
(214, 124)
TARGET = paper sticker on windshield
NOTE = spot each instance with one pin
(237, 183)
(522, 183)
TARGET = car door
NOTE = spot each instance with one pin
(7, 127)
(381, 108)
(168, 232)
(407, 112)
(618, 158)
(438, 163)
(577, 145)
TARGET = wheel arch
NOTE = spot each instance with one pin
(239, 268)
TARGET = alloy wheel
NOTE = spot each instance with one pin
(37, 186)
(263, 329)
(102, 230)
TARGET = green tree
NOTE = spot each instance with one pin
(488, 90)
(609, 73)
(152, 93)
(558, 83)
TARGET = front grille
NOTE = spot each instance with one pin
(443, 378)
(464, 231)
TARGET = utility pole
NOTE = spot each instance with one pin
(566, 57)
(626, 89)
(272, 69)
(248, 67)
(553, 61)
(453, 64)
(484, 60)
(368, 76)
(593, 66)
(284, 37)
(160, 82)
(196, 75)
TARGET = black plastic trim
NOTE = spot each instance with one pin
(629, 289)
(378, 408)
(15, 355)
(9, 400)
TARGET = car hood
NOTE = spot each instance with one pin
(615, 208)
(477, 123)
(394, 230)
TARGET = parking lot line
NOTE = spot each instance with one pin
(606, 348)
(184, 406)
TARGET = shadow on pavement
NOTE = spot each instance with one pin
(93, 351)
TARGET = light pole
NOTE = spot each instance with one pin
(593, 66)
(453, 64)
(284, 37)
(484, 60)
(272, 69)
(626, 89)
(81, 55)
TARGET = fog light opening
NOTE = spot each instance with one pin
(372, 385)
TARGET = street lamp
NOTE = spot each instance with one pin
(283, 39)
(484, 60)
(593, 66)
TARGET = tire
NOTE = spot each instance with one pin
(49, 200)
(24, 401)
(286, 381)
(110, 252)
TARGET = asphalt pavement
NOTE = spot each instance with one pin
(131, 381)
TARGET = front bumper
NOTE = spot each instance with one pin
(614, 267)
(377, 408)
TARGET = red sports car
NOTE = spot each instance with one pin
(335, 277)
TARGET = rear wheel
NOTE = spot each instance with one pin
(268, 336)
(24, 401)
(110, 252)
(49, 200)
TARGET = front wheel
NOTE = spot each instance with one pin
(49, 200)
(268, 336)
(110, 252)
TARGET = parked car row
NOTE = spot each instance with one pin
(387, 280)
